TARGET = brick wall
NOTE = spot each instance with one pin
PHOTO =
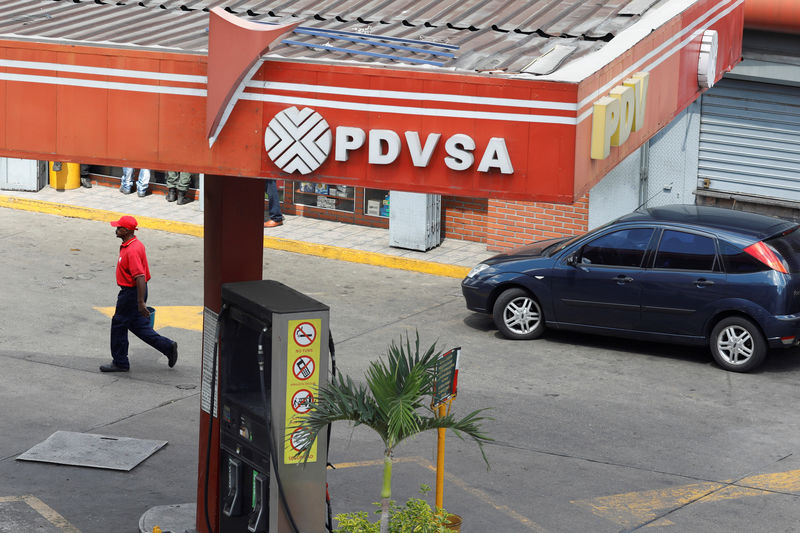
(513, 223)
(464, 218)
(501, 224)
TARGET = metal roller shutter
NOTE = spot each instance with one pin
(750, 140)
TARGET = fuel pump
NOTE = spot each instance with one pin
(273, 355)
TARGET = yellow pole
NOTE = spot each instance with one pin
(440, 461)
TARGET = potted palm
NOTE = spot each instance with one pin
(394, 402)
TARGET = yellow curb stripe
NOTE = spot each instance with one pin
(273, 243)
(367, 258)
(72, 211)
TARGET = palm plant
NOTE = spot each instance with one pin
(393, 404)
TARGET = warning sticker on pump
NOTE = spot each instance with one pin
(302, 382)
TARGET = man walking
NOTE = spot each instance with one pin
(132, 314)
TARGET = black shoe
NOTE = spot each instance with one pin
(141, 194)
(112, 367)
(125, 191)
(172, 358)
(86, 182)
(182, 199)
(171, 196)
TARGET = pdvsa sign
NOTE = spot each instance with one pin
(299, 140)
(615, 116)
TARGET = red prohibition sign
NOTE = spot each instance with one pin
(303, 367)
(302, 400)
(304, 334)
(298, 442)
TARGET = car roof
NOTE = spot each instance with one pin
(730, 221)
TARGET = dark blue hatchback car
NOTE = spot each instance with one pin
(680, 273)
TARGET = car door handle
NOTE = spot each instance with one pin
(702, 282)
(622, 279)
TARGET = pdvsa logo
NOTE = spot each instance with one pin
(300, 141)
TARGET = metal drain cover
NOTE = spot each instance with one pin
(93, 451)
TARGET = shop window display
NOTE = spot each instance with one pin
(325, 196)
(376, 202)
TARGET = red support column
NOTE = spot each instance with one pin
(233, 248)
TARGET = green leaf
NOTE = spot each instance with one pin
(394, 401)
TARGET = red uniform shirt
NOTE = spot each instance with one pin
(132, 263)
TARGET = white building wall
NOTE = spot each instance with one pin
(670, 176)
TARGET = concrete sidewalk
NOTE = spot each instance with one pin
(335, 240)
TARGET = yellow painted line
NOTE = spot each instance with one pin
(481, 495)
(477, 493)
(273, 243)
(87, 213)
(376, 462)
(44, 510)
(635, 508)
(171, 316)
(364, 257)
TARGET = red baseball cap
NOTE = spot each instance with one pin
(126, 221)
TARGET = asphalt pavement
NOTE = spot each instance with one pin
(308, 236)
(591, 433)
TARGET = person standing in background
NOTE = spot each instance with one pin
(126, 187)
(274, 205)
(177, 185)
(85, 180)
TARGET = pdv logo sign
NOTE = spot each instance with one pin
(298, 140)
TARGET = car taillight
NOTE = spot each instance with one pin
(767, 255)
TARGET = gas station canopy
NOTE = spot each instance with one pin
(517, 100)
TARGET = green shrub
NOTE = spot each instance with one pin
(416, 516)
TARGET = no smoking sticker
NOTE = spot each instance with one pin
(304, 334)
(303, 368)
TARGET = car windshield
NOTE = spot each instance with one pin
(560, 245)
(554, 246)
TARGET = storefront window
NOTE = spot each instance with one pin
(376, 202)
(324, 196)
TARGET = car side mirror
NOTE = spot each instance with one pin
(572, 261)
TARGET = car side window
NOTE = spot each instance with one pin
(679, 250)
(619, 248)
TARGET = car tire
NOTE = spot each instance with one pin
(737, 344)
(518, 315)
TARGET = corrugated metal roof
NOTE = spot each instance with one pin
(511, 37)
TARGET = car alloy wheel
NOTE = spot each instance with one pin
(737, 344)
(518, 315)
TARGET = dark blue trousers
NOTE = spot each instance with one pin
(127, 318)
(274, 201)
